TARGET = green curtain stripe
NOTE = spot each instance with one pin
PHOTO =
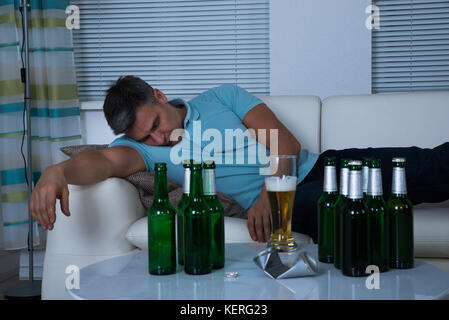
(15, 196)
(35, 138)
(55, 49)
(11, 134)
(11, 87)
(41, 112)
(6, 2)
(15, 223)
(7, 17)
(54, 92)
(45, 49)
(42, 23)
(9, 44)
(16, 176)
(12, 107)
(55, 113)
(39, 4)
(49, 4)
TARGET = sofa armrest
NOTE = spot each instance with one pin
(100, 217)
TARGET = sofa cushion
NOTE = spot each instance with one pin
(431, 232)
(235, 231)
(75, 149)
(385, 120)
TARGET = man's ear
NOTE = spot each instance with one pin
(159, 96)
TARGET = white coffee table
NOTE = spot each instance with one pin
(127, 277)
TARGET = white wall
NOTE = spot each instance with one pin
(319, 47)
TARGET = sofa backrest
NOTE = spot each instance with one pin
(301, 116)
(385, 120)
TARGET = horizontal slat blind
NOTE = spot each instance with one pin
(181, 47)
(410, 50)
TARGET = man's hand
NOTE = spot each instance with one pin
(259, 218)
(52, 185)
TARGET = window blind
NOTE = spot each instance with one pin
(181, 47)
(410, 50)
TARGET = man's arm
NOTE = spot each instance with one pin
(85, 168)
(261, 117)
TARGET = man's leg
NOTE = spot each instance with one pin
(427, 170)
(305, 217)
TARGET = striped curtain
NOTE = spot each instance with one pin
(55, 112)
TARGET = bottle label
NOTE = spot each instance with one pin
(330, 179)
(365, 178)
(375, 182)
(344, 181)
(187, 181)
(399, 185)
(209, 182)
(355, 185)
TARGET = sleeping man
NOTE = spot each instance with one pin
(158, 130)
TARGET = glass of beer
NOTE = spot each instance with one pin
(281, 188)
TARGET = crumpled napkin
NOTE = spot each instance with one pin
(282, 265)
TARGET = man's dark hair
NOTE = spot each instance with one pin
(122, 100)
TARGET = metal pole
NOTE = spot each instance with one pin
(29, 158)
(31, 289)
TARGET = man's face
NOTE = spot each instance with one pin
(154, 124)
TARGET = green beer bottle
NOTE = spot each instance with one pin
(344, 189)
(181, 206)
(365, 174)
(326, 205)
(197, 229)
(378, 218)
(161, 227)
(355, 242)
(400, 212)
(216, 216)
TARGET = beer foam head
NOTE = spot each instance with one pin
(286, 183)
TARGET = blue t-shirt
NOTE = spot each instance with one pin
(214, 130)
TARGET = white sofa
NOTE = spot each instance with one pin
(102, 213)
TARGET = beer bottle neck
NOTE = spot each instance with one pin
(196, 184)
(355, 185)
(160, 185)
(344, 181)
(399, 184)
(209, 182)
(330, 179)
(375, 182)
(187, 181)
